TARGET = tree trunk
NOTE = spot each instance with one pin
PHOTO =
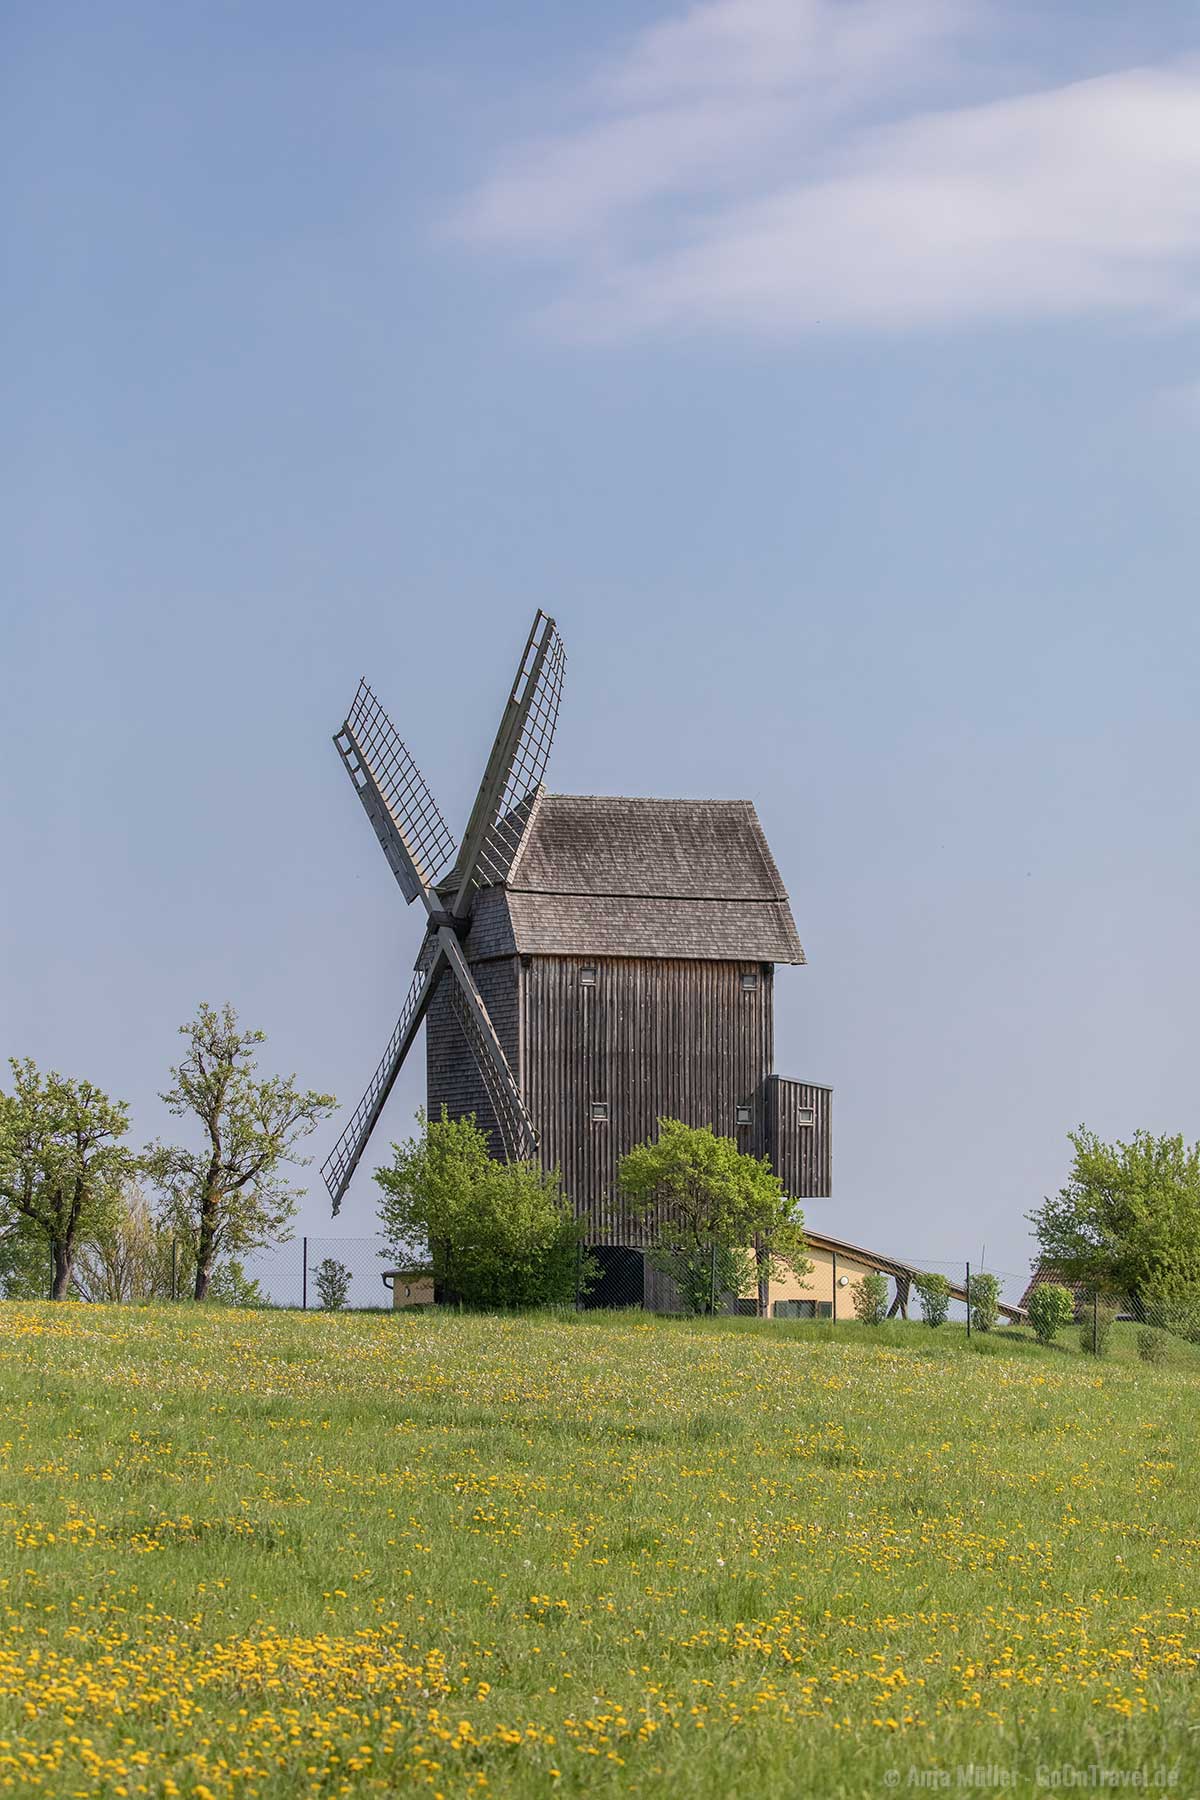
(206, 1247)
(63, 1265)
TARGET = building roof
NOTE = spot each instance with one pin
(603, 876)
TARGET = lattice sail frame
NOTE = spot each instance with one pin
(396, 796)
(538, 689)
(338, 1168)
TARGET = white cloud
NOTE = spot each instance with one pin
(775, 164)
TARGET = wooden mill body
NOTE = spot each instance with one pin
(628, 963)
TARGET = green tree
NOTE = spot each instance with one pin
(933, 1291)
(229, 1196)
(62, 1163)
(1127, 1221)
(1050, 1308)
(495, 1234)
(333, 1284)
(871, 1299)
(704, 1194)
(985, 1302)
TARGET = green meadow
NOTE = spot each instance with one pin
(270, 1553)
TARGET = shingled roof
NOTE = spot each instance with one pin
(605, 876)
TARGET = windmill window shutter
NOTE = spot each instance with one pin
(750, 982)
(599, 1112)
(806, 1115)
(587, 975)
(745, 1115)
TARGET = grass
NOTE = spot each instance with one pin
(266, 1554)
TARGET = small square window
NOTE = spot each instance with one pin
(805, 1115)
(587, 975)
(750, 982)
(599, 1112)
(745, 1115)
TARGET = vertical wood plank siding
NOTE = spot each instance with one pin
(801, 1155)
(653, 1037)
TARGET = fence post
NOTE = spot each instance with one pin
(712, 1299)
(834, 1314)
(968, 1302)
(174, 1268)
(304, 1280)
(1095, 1321)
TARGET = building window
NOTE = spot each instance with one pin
(750, 982)
(599, 1112)
(745, 1115)
(806, 1115)
(587, 975)
(824, 1309)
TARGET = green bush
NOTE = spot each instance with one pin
(1095, 1328)
(1051, 1307)
(985, 1302)
(871, 1299)
(933, 1291)
(497, 1235)
(333, 1284)
(1151, 1346)
(231, 1286)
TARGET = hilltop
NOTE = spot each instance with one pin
(256, 1553)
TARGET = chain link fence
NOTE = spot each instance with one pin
(314, 1272)
(356, 1272)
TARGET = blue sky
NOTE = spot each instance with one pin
(830, 370)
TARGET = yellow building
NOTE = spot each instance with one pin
(827, 1291)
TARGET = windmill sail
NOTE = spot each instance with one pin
(339, 1166)
(503, 1090)
(516, 765)
(416, 840)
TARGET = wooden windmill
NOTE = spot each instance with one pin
(589, 965)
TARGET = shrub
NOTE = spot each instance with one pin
(1050, 1308)
(933, 1291)
(333, 1284)
(496, 1235)
(1095, 1328)
(1151, 1346)
(985, 1302)
(871, 1299)
(231, 1286)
